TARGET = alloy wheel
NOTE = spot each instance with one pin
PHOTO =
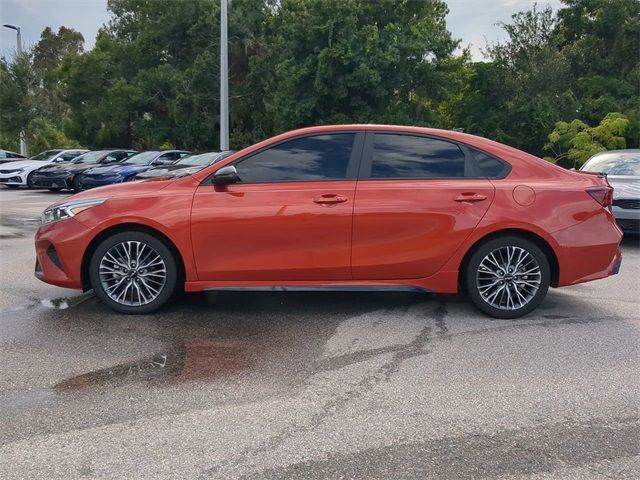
(132, 273)
(508, 278)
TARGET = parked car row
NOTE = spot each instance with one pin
(81, 169)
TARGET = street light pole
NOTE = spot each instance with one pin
(24, 148)
(224, 79)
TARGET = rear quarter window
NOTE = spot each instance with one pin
(490, 166)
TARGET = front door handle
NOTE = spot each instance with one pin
(470, 197)
(330, 199)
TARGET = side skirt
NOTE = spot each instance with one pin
(321, 288)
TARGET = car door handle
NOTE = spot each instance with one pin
(470, 197)
(329, 199)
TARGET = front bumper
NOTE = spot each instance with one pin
(628, 219)
(42, 181)
(13, 178)
(60, 247)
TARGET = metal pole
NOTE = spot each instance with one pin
(24, 147)
(224, 79)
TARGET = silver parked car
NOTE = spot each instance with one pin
(622, 168)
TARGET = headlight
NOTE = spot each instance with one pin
(17, 170)
(68, 210)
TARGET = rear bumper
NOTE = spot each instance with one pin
(59, 250)
(589, 250)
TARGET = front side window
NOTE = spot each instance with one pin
(314, 158)
(410, 156)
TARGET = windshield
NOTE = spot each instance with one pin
(621, 163)
(202, 159)
(45, 155)
(141, 158)
(90, 157)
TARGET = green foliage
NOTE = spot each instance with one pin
(153, 76)
(574, 142)
(43, 135)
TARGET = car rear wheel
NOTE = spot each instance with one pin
(507, 277)
(133, 272)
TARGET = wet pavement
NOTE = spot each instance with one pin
(323, 385)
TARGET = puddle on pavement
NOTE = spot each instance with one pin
(62, 303)
(195, 359)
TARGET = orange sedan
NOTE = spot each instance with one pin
(345, 207)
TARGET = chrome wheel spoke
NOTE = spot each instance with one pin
(132, 273)
(508, 277)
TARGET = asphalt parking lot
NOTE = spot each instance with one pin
(293, 385)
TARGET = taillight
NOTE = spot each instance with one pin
(602, 195)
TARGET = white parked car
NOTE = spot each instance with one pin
(18, 173)
(622, 168)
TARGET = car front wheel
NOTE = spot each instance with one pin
(133, 272)
(507, 277)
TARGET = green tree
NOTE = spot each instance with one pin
(518, 97)
(337, 61)
(573, 143)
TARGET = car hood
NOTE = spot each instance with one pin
(24, 164)
(69, 167)
(118, 168)
(625, 186)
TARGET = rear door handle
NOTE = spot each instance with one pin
(470, 197)
(330, 199)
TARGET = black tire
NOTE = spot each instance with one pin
(166, 292)
(55, 189)
(75, 183)
(473, 276)
(11, 186)
(30, 180)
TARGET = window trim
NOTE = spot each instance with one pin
(352, 166)
(470, 161)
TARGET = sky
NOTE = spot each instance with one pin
(472, 21)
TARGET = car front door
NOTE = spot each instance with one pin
(418, 198)
(289, 217)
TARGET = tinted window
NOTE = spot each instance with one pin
(407, 156)
(320, 157)
(490, 166)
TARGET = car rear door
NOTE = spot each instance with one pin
(417, 199)
(289, 218)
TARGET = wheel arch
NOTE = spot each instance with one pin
(546, 248)
(128, 227)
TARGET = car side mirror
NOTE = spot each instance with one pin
(226, 176)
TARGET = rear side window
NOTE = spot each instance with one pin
(408, 156)
(315, 158)
(490, 166)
